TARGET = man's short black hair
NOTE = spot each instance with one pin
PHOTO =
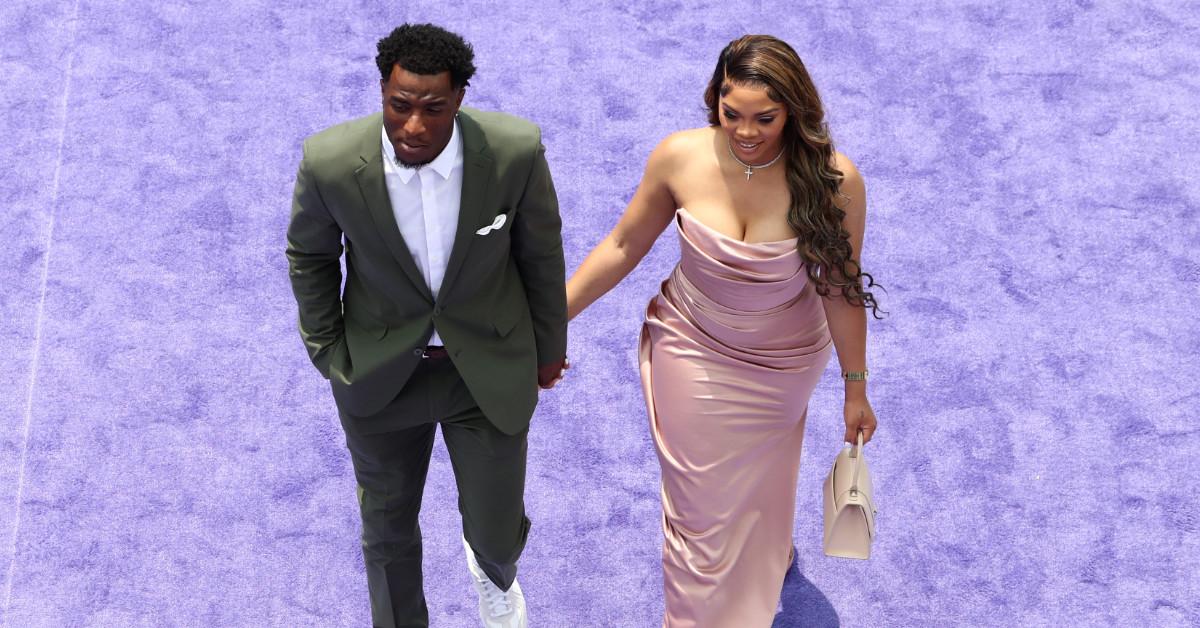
(426, 49)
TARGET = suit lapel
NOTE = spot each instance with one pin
(374, 191)
(477, 179)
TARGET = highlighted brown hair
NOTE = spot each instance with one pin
(813, 180)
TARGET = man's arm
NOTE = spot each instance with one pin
(314, 247)
(538, 251)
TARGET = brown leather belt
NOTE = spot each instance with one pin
(434, 352)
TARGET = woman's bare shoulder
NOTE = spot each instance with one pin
(685, 142)
(842, 162)
(677, 149)
(853, 188)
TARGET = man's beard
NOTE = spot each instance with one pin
(416, 165)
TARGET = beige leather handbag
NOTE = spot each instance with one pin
(849, 509)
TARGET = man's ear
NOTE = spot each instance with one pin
(462, 91)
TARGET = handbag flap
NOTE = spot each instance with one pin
(844, 493)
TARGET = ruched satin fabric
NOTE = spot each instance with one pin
(731, 350)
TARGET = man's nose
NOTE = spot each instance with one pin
(414, 125)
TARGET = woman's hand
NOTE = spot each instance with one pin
(859, 416)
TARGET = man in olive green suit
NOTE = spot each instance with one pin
(453, 311)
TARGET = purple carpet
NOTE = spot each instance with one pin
(168, 456)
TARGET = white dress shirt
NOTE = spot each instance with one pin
(426, 201)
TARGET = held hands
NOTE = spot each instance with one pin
(551, 374)
(859, 416)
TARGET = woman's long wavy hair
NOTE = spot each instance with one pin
(813, 180)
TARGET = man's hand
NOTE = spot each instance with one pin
(551, 374)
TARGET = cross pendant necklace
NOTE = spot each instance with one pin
(751, 168)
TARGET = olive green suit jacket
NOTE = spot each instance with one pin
(501, 309)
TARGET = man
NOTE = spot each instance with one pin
(453, 311)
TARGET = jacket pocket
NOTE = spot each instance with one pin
(505, 320)
(364, 323)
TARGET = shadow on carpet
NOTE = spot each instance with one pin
(803, 603)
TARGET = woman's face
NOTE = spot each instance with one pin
(752, 122)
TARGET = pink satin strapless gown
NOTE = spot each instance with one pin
(730, 353)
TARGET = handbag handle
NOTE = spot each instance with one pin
(857, 455)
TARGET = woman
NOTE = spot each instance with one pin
(770, 220)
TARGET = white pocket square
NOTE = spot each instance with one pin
(496, 224)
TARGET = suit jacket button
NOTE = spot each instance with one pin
(418, 352)
(437, 311)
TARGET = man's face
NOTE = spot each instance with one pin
(418, 114)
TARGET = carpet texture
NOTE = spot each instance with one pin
(168, 457)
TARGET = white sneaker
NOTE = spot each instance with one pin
(497, 609)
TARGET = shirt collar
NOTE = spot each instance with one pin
(443, 164)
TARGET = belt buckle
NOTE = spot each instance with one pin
(439, 352)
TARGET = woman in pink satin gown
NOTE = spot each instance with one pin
(770, 221)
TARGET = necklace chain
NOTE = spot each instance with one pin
(750, 168)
